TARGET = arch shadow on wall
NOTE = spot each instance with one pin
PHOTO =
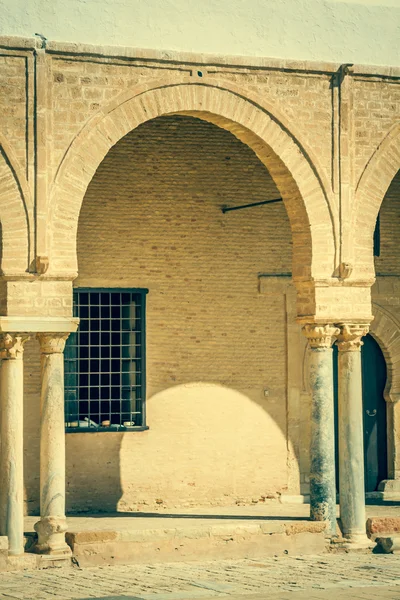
(296, 171)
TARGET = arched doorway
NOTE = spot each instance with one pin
(374, 413)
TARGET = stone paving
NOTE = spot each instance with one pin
(355, 575)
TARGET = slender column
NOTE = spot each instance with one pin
(322, 447)
(11, 462)
(351, 437)
(391, 486)
(52, 525)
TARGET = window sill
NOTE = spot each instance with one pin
(118, 429)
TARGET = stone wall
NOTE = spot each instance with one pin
(69, 99)
(227, 397)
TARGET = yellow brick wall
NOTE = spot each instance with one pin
(152, 218)
(389, 260)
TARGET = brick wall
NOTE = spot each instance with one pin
(389, 260)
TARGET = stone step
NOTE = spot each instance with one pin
(379, 526)
(90, 547)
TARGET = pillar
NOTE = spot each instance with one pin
(322, 445)
(11, 457)
(351, 436)
(390, 487)
(52, 525)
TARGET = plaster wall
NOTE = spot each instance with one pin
(364, 31)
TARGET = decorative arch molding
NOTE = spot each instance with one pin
(370, 192)
(385, 329)
(16, 213)
(312, 213)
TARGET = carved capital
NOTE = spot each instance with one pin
(349, 338)
(52, 343)
(320, 336)
(12, 345)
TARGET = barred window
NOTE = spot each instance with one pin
(105, 361)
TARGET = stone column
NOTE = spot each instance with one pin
(322, 447)
(390, 487)
(351, 435)
(11, 461)
(52, 525)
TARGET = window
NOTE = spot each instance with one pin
(105, 361)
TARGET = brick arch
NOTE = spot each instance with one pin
(311, 214)
(370, 192)
(385, 329)
(15, 209)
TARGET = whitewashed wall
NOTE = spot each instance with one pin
(361, 31)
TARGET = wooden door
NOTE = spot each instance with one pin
(374, 414)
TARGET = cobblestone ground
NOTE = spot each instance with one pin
(338, 576)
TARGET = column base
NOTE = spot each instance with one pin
(388, 489)
(51, 536)
(358, 541)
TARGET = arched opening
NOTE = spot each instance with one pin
(216, 364)
(385, 327)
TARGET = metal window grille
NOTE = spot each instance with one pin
(105, 361)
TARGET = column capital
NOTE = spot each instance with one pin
(349, 338)
(52, 343)
(12, 345)
(320, 336)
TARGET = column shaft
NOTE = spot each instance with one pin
(322, 444)
(11, 461)
(52, 525)
(351, 436)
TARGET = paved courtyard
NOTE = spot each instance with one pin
(330, 576)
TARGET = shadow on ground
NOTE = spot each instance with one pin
(377, 502)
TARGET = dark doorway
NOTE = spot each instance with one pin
(374, 413)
